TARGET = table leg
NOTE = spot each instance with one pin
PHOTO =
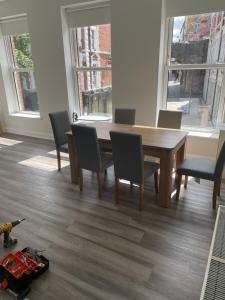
(180, 155)
(179, 158)
(165, 180)
(74, 167)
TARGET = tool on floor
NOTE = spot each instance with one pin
(6, 229)
(19, 269)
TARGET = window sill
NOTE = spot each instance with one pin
(26, 115)
(94, 118)
(212, 133)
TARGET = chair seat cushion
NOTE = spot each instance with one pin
(196, 167)
(64, 148)
(150, 168)
(107, 160)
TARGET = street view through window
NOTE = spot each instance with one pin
(23, 74)
(93, 69)
(196, 68)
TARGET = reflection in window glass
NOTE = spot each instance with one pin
(23, 73)
(26, 91)
(94, 46)
(196, 93)
(95, 84)
(196, 68)
(198, 39)
(95, 89)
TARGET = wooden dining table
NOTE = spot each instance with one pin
(162, 143)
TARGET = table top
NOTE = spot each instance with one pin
(151, 136)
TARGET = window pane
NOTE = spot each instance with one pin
(21, 51)
(197, 93)
(94, 46)
(198, 39)
(95, 92)
(26, 91)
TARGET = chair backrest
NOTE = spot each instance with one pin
(169, 119)
(87, 147)
(60, 125)
(128, 156)
(220, 163)
(125, 116)
(220, 144)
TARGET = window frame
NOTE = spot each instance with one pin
(204, 66)
(12, 70)
(76, 69)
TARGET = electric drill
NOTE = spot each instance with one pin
(6, 229)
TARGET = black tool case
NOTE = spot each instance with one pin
(21, 286)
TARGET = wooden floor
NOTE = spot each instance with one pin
(98, 250)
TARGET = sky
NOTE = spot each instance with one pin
(178, 22)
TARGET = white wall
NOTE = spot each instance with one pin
(136, 58)
(44, 21)
(135, 45)
(136, 29)
(203, 147)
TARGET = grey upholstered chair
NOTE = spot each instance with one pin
(129, 162)
(205, 169)
(60, 125)
(125, 116)
(89, 155)
(169, 119)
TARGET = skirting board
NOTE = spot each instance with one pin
(35, 134)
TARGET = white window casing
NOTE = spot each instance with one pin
(14, 26)
(88, 14)
(84, 15)
(202, 66)
(9, 27)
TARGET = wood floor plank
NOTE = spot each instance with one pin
(98, 250)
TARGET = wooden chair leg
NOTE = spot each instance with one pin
(141, 199)
(185, 181)
(215, 193)
(175, 180)
(81, 179)
(131, 185)
(156, 179)
(99, 177)
(179, 179)
(117, 191)
(59, 160)
(219, 187)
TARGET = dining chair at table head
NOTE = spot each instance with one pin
(129, 162)
(88, 153)
(169, 119)
(60, 125)
(125, 116)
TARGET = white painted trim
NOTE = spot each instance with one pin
(26, 115)
(85, 4)
(196, 66)
(166, 52)
(87, 69)
(7, 76)
(90, 5)
(22, 69)
(35, 134)
(13, 18)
